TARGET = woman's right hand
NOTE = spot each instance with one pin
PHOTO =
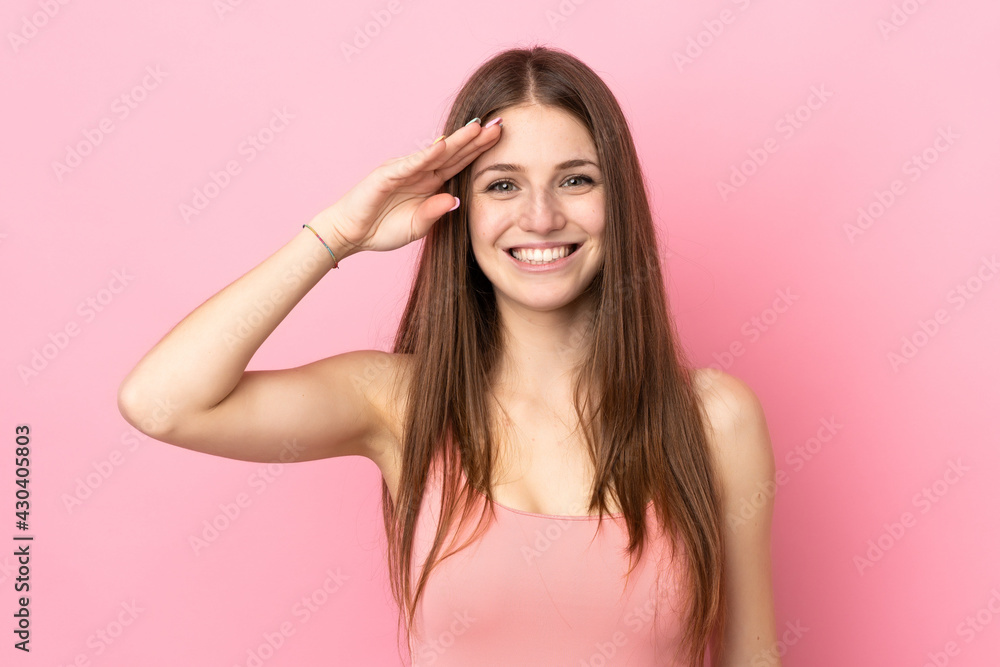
(396, 203)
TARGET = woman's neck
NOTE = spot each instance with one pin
(543, 351)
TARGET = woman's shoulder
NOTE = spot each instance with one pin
(379, 382)
(737, 427)
(723, 394)
(384, 377)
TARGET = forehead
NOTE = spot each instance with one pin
(541, 135)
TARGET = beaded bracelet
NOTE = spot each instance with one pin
(335, 263)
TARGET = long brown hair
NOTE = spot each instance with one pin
(641, 417)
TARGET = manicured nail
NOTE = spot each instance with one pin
(457, 202)
(438, 139)
(472, 121)
(493, 122)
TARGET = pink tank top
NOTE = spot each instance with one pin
(544, 590)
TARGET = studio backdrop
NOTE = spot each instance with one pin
(824, 180)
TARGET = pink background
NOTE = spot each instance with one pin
(848, 491)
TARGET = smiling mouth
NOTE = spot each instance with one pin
(537, 257)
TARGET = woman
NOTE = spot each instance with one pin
(534, 393)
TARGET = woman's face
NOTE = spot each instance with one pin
(539, 187)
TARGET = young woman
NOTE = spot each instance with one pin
(558, 487)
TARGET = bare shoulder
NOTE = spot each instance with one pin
(384, 378)
(737, 430)
(741, 448)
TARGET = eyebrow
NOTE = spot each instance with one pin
(508, 167)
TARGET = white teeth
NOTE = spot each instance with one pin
(537, 256)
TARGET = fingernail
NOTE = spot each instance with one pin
(493, 122)
(472, 121)
(438, 139)
(457, 202)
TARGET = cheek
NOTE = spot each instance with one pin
(588, 209)
(590, 219)
(485, 227)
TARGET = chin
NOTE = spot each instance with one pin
(542, 304)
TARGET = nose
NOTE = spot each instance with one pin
(542, 213)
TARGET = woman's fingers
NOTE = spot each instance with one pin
(466, 154)
(444, 158)
(454, 143)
